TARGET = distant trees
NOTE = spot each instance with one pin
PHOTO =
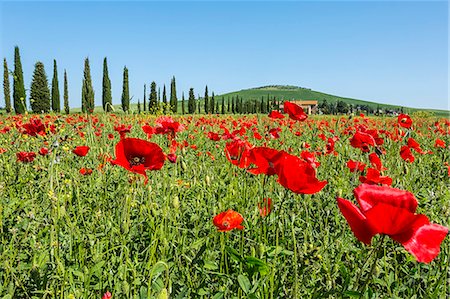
(39, 91)
(212, 104)
(6, 87)
(206, 100)
(145, 98)
(153, 99)
(56, 101)
(66, 94)
(173, 96)
(87, 91)
(106, 88)
(182, 104)
(191, 101)
(164, 99)
(125, 91)
(18, 85)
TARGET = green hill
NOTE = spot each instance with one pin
(289, 92)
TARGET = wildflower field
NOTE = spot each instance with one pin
(209, 206)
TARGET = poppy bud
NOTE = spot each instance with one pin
(183, 151)
(183, 166)
(208, 180)
(163, 294)
(176, 202)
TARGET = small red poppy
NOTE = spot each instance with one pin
(85, 171)
(406, 154)
(228, 220)
(81, 151)
(404, 121)
(356, 166)
(43, 151)
(276, 115)
(25, 157)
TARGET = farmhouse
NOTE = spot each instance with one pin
(310, 106)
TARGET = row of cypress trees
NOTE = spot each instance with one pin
(41, 99)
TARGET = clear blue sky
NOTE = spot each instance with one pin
(390, 52)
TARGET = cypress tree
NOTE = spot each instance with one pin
(106, 90)
(164, 98)
(217, 107)
(206, 99)
(6, 88)
(125, 91)
(39, 91)
(268, 105)
(191, 101)
(56, 100)
(153, 99)
(19, 95)
(198, 105)
(223, 105)
(139, 107)
(66, 94)
(182, 103)
(233, 108)
(212, 105)
(145, 97)
(159, 97)
(262, 106)
(228, 109)
(87, 93)
(173, 96)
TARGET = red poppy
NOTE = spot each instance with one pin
(81, 151)
(362, 141)
(406, 154)
(439, 143)
(356, 166)
(110, 136)
(85, 171)
(310, 158)
(166, 125)
(297, 175)
(276, 115)
(373, 177)
(265, 207)
(390, 211)
(213, 136)
(264, 158)
(138, 155)
(25, 157)
(412, 143)
(172, 157)
(122, 130)
(376, 162)
(228, 220)
(43, 151)
(107, 295)
(294, 111)
(237, 152)
(404, 121)
(274, 133)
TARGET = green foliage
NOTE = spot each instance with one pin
(6, 87)
(56, 100)
(106, 88)
(39, 91)
(66, 94)
(87, 92)
(153, 99)
(19, 96)
(125, 91)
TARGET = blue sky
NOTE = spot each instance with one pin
(389, 52)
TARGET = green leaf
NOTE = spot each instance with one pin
(352, 294)
(244, 282)
(233, 253)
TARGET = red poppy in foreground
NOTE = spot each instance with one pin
(237, 152)
(294, 111)
(297, 175)
(390, 211)
(81, 151)
(25, 157)
(138, 155)
(362, 141)
(276, 115)
(264, 158)
(404, 121)
(228, 220)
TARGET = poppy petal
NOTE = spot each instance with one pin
(357, 221)
(370, 195)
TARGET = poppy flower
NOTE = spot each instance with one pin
(355, 166)
(228, 220)
(43, 151)
(274, 133)
(213, 136)
(172, 157)
(294, 111)
(406, 154)
(265, 207)
(166, 125)
(107, 295)
(413, 144)
(138, 155)
(264, 159)
(237, 152)
(404, 121)
(439, 143)
(373, 177)
(81, 151)
(25, 157)
(297, 175)
(85, 171)
(276, 115)
(389, 211)
(362, 141)
(376, 162)
(310, 158)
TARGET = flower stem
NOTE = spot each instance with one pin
(377, 250)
